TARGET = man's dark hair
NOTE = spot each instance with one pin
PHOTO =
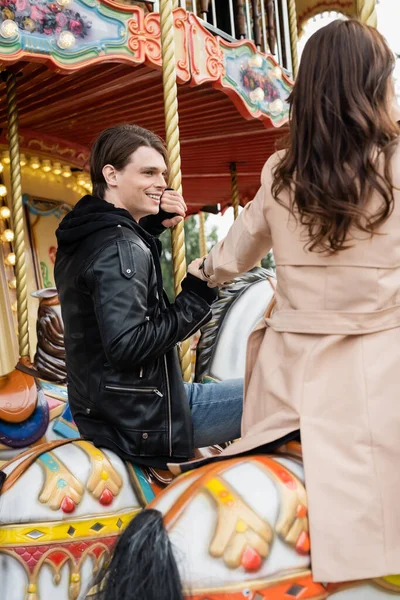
(114, 146)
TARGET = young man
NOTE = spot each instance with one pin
(124, 382)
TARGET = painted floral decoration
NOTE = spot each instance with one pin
(40, 16)
(254, 79)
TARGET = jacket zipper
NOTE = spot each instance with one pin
(133, 389)
(198, 325)
(169, 407)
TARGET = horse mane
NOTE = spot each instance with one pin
(227, 296)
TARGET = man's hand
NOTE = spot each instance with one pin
(172, 202)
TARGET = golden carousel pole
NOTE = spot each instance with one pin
(8, 350)
(17, 216)
(235, 190)
(173, 147)
(366, 12)
(293, 35)
(202, 234)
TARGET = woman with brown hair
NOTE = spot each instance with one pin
(326, 359)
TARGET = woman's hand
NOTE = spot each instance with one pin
(194, 269)
(172, 202)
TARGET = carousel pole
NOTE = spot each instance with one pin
(8, 349)
(17, 216)
(202, 234)
(293, 35)
(235, 190)
(173, 147)
(366, 12)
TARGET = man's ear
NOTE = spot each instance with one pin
(110, 175)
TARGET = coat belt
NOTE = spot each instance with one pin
(334, 322)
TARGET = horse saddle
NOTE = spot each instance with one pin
(18, 396)
(24, 410)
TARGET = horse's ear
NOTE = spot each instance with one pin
(45, 293)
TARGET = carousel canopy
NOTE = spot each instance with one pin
(84, 65)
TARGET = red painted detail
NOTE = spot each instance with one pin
(97, 551)
(57, 557)
(106, 497)
(301, 511)
(31, 554)
(251, 559)
(68, 505)
(287, 479)
(303, 543)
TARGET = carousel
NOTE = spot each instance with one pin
(212, 78)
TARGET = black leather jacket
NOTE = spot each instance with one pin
(124, 381)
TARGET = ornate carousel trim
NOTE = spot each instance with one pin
(35, 534)
(90, 32)
(298, 584)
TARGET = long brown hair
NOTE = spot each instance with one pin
(340, 125)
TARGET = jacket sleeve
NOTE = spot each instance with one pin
(248, 240)
(153, 223)
(119, 290)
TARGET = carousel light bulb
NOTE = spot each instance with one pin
(66, 171)
(3, 191)
(7, 236)
(14, 306)
(12, 284)
(277, 71)
(34, 163)
(5, 212)
(63, 3)
(1, 167)
(8, 29)
(57, 168)
(46, 165)
(5, 157)
(10, 259)
(22, 160)
(66, 40)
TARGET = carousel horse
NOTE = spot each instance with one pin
(29, 419)
(238, 527)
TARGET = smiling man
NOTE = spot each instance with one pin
(124, 382)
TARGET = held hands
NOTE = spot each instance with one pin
(194, 269)
(173, 203)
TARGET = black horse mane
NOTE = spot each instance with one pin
(227, 296)
(142, 565)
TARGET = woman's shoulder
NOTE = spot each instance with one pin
(269, 166)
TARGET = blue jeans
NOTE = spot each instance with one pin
(216, 411)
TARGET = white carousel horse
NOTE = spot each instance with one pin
(239, 527)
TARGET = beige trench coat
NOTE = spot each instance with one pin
(327, 362)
